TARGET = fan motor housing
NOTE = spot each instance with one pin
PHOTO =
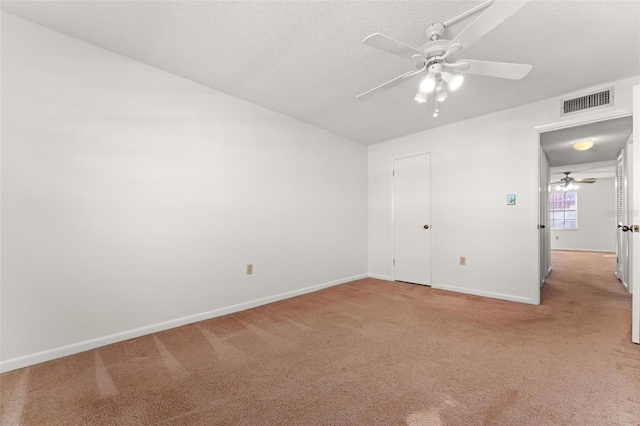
(435, 31)
(435, 48)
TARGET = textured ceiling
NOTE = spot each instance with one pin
(306, 59)
(608, 136)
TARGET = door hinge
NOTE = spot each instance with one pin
(394, 261)
(393, 172)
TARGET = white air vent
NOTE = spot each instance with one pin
(599, 99)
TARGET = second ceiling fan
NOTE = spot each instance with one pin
(567, 183)
(443, 76)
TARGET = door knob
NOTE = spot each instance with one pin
(426, 227)
(542, 226)
(625, 228)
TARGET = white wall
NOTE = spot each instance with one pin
(476, 164)
(596, 220)
(132, 199)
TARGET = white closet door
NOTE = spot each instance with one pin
(412, 219)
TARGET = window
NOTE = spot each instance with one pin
(564, 209)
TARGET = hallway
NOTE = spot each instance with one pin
(587, 279)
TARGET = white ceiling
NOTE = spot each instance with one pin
(306, 58)
(608, 136)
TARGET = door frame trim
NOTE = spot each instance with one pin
(393, 207)
(544, 220)
(635, 260)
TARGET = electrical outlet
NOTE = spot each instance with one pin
(463, 260)
(250, 269)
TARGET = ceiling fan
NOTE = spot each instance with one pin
(432, 57)
(568, 183)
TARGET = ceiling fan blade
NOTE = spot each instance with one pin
(389, 84)
(493, 69)
(390, 45)
(488, 20)
(586, 180)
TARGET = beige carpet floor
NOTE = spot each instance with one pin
(368, 352)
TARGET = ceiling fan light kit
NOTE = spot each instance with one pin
(453, 80)
(421, 97)
(428, 84)
(441, 96)
(567, 183)
(569, 187)
(432, 57)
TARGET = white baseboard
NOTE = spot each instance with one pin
(380, 277)
(50, 354)
(544, 279)
(469, 291)
(490, 294)
(587, 250)
(624, 285)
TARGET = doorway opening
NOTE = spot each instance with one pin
(588, 189)
(584, 206)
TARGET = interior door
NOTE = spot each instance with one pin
(635, 237)
(412, 219)
(622, 219)
(631, 213)
(543, 221)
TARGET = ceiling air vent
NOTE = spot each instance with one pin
(599, 99)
